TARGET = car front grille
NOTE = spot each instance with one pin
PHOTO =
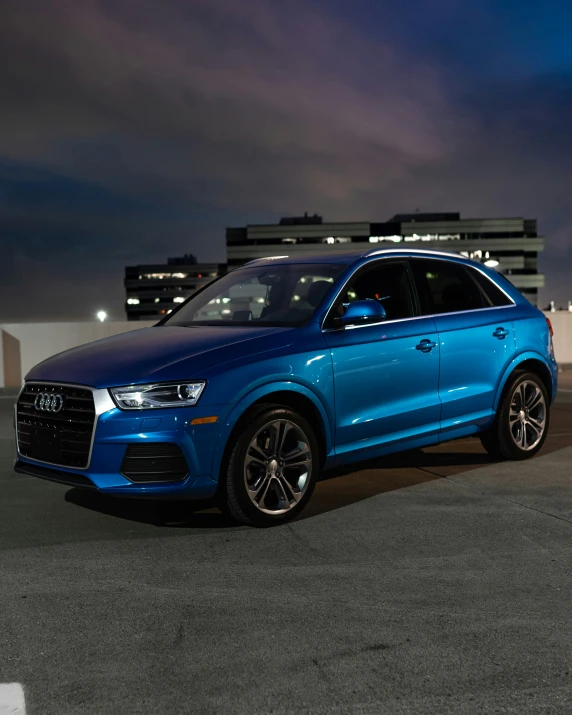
(61, 438)
(154, 462)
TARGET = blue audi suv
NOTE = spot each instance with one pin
(288, 366)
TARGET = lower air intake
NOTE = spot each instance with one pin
(154, 462)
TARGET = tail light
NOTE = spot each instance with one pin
(550, 339)
(550, 327)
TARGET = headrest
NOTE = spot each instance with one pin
(455, 297)
(317, 291)
(242, 316)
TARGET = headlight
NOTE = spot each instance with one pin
(147, 397)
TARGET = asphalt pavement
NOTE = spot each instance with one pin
(431, 582)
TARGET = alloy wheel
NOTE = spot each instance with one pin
(277, 467)
(527, 415)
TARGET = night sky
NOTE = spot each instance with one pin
(133, 130)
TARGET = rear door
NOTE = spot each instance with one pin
(385, 375)
(476, 337)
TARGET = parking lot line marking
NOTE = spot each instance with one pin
(12, 699)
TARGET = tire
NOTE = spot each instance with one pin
(522, 420)
(272, 469)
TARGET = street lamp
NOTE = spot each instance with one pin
(101, 315)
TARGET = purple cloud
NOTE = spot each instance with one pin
(256, 109)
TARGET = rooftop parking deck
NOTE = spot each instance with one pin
(434, 581)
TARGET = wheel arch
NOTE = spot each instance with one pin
(532, 362)
(289, 394)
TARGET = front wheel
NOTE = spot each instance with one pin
(522, 419)
(272, 469)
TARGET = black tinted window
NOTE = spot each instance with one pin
(447, 287)
(388, 283)
(492, 291)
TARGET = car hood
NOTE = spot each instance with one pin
(159, 353)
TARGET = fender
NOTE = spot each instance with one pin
(529, 355)
(249, 399)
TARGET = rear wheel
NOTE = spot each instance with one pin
(272, 469)
(522, 420)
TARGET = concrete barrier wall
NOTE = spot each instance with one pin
(562, 324)
(23, 345)
(11, 359)
(26, 344)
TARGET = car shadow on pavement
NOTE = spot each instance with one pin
(161, 513)
(347, 485)
(336, 488)
(467, 455)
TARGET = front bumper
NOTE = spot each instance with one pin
(115, 429)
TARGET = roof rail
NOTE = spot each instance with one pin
(378, 251)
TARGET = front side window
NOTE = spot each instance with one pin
(446, 287)
(272, 295)
(388, 283)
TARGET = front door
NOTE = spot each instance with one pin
(386, 376)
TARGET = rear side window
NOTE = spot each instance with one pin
(493, 293)
(446, 287)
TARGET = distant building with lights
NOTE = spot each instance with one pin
(152, 291)
(511, 245)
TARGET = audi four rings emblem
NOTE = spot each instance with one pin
(46, 402)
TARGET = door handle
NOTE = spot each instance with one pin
(500, 333)
(426, 345)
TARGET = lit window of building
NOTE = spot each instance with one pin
(509, 245)
(153, 289)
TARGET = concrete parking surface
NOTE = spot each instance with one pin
(432, 582)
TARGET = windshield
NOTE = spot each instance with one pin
(276, 295)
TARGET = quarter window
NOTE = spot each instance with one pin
(493, 293)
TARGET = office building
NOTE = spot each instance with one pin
(154, 290)
(511, 245)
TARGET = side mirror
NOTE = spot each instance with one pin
(362, 312)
